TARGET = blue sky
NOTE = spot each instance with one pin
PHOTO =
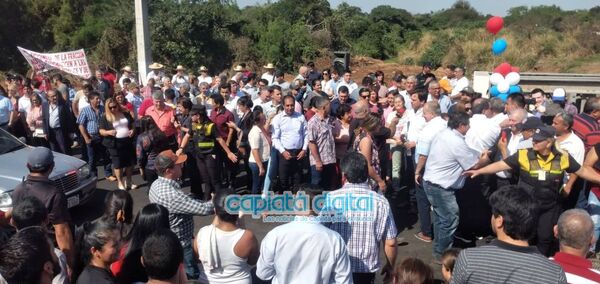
(494, 7)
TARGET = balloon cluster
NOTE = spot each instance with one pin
(505, 78)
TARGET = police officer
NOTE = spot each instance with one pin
(541, 171)
(202, 133)
(40, 163)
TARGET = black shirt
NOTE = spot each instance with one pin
(44, 190)
(96, 275)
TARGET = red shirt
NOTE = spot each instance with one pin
(220, 120)
(576, 267)
(164, 120)
(584, 126)
(146, 103)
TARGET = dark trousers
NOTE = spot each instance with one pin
(57, 140)
(191, 171)
(546, 243)
(207, 167)
(363, 278)
(96, 153)
(475, 211)
(325, 178)
(227, 168)
(150, 176)
(290, 169)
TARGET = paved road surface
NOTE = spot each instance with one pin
(93, 209)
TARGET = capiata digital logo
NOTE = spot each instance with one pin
(289, 203)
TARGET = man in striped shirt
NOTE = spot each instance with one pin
(509, 258)
(575, 234)
(585, 124)
(365, 223)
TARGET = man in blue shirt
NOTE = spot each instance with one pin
(291, 141)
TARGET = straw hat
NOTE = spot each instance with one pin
(127, 69)
(203, 69)
(180, 67)
(156, 65)
(238, 68)
(269, 66)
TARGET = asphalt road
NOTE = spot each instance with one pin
(411, 247)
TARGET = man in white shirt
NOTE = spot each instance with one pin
(263, 97)
(461, 83)
(180, 78)
(269, 75)
(284, 257)
(572, 144)
(509, 142)
(435, 95)
(498, 116)
(280, 81)
(435, 124)
(204, 77)
(449, 157)
(250, 88)
(291, 141)
(347, 81)
(156, 72)
(410, 84)
(483, 133)
(270, 107)
(127, 73)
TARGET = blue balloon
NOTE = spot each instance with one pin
(503, 96)
(514, 89)
(494, 91)
(499, 46)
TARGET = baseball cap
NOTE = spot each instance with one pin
(168, 158)
(40, 157)
(543, 132)
(532, 123)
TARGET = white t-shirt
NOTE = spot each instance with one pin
(269, 77)
(24, 104)
(257, 140)
(122, 127)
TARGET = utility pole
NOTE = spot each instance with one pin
(142, 34)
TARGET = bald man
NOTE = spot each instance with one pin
(575, 233)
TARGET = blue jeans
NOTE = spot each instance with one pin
(96, 151)
(424, 210)
(189, 261)
(445, 216)
(257, 180)
(272, 170)
(323, 178)
(594, 209)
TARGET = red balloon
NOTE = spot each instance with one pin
(503, 69)
(494, 24)
(515, 69)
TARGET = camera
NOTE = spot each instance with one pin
(529, 101)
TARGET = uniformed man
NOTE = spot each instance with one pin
(203, 133)
(541, 171)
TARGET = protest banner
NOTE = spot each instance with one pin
(72, 62)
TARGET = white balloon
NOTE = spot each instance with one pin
(513, 78)
(495, 78)
(503, 86)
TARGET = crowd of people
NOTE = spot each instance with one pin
(470, 167)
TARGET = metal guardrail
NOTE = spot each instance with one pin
(581, 85)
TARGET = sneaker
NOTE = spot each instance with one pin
(423, 237)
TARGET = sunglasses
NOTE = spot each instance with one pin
(325, 74)
(112, 107)
(35, 101)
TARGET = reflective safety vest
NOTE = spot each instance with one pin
(204, 143)
(542, 177)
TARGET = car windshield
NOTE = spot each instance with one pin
(9, 143)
